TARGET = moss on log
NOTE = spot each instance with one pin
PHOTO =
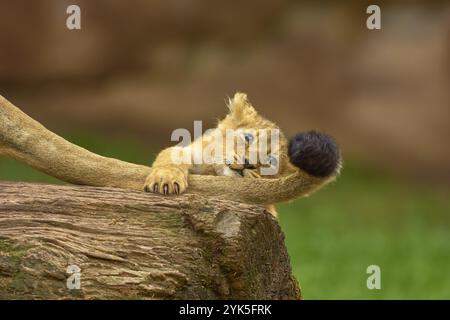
(133, 245)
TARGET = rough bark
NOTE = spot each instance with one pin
(131, 244)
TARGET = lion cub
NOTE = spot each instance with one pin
(251, 131)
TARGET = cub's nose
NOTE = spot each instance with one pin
(247, 164)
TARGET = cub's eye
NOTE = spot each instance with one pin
(249, 138)
(272, 161)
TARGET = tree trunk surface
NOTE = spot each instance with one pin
(127, 245)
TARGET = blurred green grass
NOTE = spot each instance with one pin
(365, 218)
(368, 218)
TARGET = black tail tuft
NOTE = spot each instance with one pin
(316, 153)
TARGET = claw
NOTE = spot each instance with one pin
(166, 188)
(176, 187)
(155, 188)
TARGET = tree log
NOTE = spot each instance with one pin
(130, 244)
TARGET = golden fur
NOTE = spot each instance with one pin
(27, 140)
(168, 177)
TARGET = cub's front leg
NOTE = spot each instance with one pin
(167, 177)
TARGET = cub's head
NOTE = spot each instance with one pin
(260, 148)
(314, 152)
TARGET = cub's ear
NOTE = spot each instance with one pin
(240, 107)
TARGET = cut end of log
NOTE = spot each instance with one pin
(71, 242)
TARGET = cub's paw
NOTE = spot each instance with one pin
(166, 180)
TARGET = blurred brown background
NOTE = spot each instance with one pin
(143, 68)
